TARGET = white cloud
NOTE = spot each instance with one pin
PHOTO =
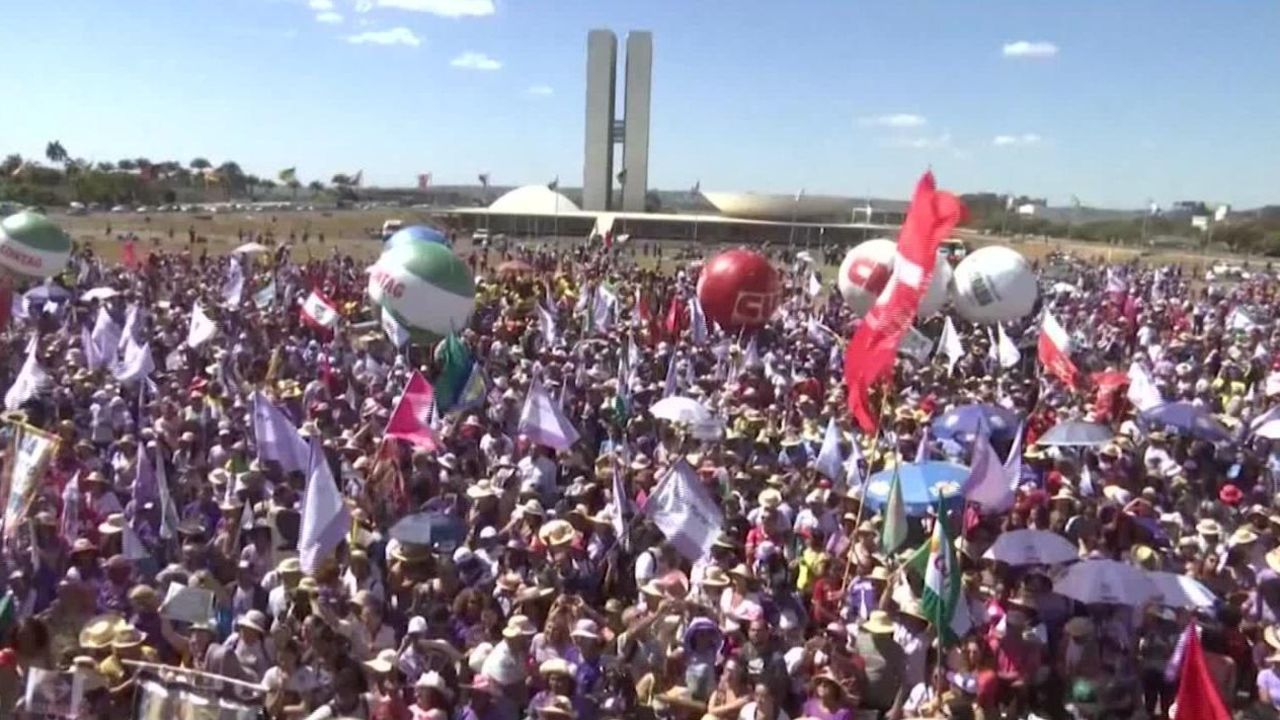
(475, 61)
(443, 8)
(1028, 49)
(927, 142)
(330, 17)
(896, 120)
(320, 5)
(1022, 140)
(394, 36)
(364, 6)
(540, 90)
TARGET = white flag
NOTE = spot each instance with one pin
(1267, 424)
(1013, 463)
(233, 287)
(319, 310)
(396, 332)
(543, 422)
(136, 363)
(683, 511)
(130, 324)
(949, 344)
(31, 379)
(1142, 392)
(830, 460)
(105, 340)
(988, 483)
(697, 321)
(547, 326)
(1006, 352)
(202, 328)
(815, 285)
(1239, 320)
(325, 518)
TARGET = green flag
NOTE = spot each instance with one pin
(455, 370)
(894, 532)
(941, 594)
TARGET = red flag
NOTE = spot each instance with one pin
(319, 311)
(675, 321)
(1198, 697)
(1109, 399)
(411, 420)
(130, 255)
(1055, 350)
(874, 347)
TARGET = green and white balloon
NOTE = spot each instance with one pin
(31, 246)
(425, 287)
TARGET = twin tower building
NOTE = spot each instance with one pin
(605, 129)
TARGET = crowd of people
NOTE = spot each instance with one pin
(537, 607)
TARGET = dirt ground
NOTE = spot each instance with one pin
(349, 230)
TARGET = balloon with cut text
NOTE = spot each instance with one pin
(32, 246)
(739, 289)
(865, 272)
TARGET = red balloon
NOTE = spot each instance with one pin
(739, 289)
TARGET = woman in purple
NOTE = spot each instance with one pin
(827, 699)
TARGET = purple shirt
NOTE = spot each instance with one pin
(813, 708)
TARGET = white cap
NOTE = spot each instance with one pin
(417, 624)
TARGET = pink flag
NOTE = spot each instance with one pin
(411, 420)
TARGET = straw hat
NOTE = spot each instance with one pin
(557, 533)
(431, 680)
(253, 620)
(99, 631)
(878, 623)
(383, 663)
(714, 577)
(481, 489)
(558, 707)
(1208, 526)
(518, 626)
(769, 498)
(1079, 627)
(586, 628)
(144, 596)
(82, 545)
(127, 636)
(555, 666)
(115, 523)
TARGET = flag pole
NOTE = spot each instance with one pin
(862, 504)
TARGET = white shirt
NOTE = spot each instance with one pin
(748, 712)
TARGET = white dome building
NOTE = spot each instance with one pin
(533, 200)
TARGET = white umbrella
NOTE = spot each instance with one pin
(1106, 581)
(249, 248)
(1064, 288)
(681, 409)
(100, 293)
(1180, 591)
(805, 256)
(1032, 547)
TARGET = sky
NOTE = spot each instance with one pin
(1112, 102)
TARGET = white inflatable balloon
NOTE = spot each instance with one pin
(939, 287)
(994, 284)
(865, 272)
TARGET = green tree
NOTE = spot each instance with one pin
(340, 180)
(105, 167)
(200, 164)
(315, 186)
(251, 183)
(55, 152)
(293, 186)
(127, 164)
(10, 165)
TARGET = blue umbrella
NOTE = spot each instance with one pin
(415, 234)
(430, 528)
(1074, 433)
(967, 420)
(922, 485)
(1187, 418)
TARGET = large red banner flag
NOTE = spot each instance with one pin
(874, 347)
(1198, 696)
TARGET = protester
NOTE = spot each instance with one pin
(234, 493)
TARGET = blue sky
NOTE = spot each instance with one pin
(1114, 102)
